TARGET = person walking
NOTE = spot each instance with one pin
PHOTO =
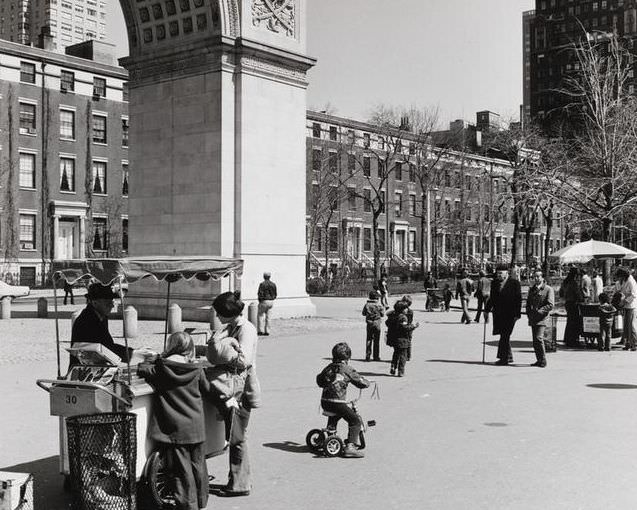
(464, 289)
(373, 312)
(384, 291)
(539, 303)
(266, 295)
(628, 289)
(68, 292)
(482, 295)
(571, 292)
(429, 283)
(506, 303)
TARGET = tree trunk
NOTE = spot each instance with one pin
(514, 244)
(607, 224)
(424, 257)
(376, 246)
(547, 243)
(528, 249)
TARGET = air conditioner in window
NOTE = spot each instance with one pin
(31, 131)
(96, 96)
(64, 87)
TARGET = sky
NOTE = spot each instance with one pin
(459, 56)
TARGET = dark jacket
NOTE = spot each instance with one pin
(571, 291)
(430, 282)
(178, 415)
(335, 378)
(398, 329)
(607, 313)
(484, 287)
(506, 302)
(90, 328)
(373, 312)
(539, 304)
(267, 291)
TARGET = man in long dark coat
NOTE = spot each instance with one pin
(506, 302)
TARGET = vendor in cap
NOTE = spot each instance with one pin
(91, 326)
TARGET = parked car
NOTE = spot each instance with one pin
(13, 291)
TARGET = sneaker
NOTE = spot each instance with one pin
(352, 452)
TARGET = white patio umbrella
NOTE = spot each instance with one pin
(586, 251)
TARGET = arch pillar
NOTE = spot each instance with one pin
(217, 101)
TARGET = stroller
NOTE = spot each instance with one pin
(435, 300)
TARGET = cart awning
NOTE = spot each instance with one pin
(586, 251)
(170, 269)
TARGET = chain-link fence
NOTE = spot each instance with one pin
(102, 456)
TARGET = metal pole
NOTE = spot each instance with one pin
(428, 254)
(121, 298)
(484, 337)
(166, 317)
(57, 326)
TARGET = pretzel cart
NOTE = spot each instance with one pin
(102, 383)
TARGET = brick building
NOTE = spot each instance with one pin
(469, 217)
(63, 157)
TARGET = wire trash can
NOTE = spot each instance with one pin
(102, 455)
(550, 334)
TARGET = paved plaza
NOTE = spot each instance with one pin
(453, 434)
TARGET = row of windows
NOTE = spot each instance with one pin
(101, 233)
(28, 124)
(67, 81)
(68, 175)
(446, 178)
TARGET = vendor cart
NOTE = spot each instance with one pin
(590, 323)
(102, 383)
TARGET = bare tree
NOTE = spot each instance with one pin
(598, 180)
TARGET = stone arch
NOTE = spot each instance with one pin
(158, 24)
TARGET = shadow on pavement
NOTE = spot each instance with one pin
(288, 446)
(48, 483)
(463, 362)
(613, 386)
(362, 360)
(374, 374)
(24, 314)
(515, 344)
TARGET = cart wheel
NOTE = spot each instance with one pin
(333, 446)
(315, 439)
(160, 482)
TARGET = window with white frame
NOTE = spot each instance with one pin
(27, 72)
(67, 174)
(412, 204)
(412, 241)
(67, 81)
(398, 204)
(125, 179)
(27, 231)
(367, 239)
(125, 128)
(100, 234)
(125, 234)
(99, 177)
(27, 170)
(67, 124)
(99, 129)
(99, 87)
(27, 118)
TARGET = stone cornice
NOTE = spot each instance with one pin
(215, 54)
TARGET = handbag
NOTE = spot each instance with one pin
(252, 390)
(618, 326)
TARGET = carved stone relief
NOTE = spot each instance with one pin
(278, 16)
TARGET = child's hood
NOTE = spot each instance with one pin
(181, 373)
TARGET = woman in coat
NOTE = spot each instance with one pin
(235, 373)
(571, 293)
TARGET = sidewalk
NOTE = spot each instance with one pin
(454, 434)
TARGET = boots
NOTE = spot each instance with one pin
(352, 452)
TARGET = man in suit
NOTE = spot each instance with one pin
(506, 302)
(482, 294)
(91, 326)
(539, 303)
(464, 289)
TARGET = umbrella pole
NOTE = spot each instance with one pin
(121, 299)
(166, 317)
(57, 325)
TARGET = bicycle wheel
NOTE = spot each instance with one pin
(160, 483)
